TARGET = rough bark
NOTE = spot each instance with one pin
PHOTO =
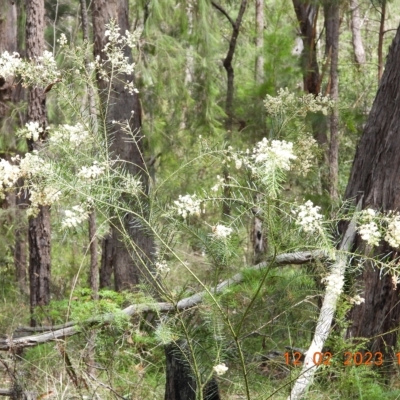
(39, 226)
(332, 24)
(10, 94)
(356, 39)
(106, 268)
(375, 173)
(128, 262)
(307, 14)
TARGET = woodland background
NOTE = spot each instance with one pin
(202, 72)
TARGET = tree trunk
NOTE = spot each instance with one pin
(106, 268)
(181, 384)
(230, 74)
(375, 174)
(39, 226)
(358, 47)
(128, 262)
(332, 24)
(307, 15)
(9, 94)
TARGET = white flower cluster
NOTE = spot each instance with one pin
(309, 217)
(33, 130)
(9, 174)
(357, 300)
(306, 148)
(221, 231)
(188, 205)
(62, 40)
(9, 64)
(220, 369)
(393, 230)
(162, 266)
(74, 217)
(45, 197)
(114, 50)
(33, 165)
(73, 135)
(132, 185)
(368, 229)
(220, 183)
(334, 283)
(273, 154)
(92, 172)
(286, 102)
(40, 72)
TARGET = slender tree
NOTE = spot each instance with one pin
(128, 264)
(358, 47)
(10, 95)
(332, 23)
(39, 226)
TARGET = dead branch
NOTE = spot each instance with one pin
(60, 332)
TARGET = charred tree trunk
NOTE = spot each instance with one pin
(39, 226)
(375, 174)
(106, 266)
(181, 385)
(128, 263)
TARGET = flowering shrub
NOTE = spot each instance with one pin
(308, 217)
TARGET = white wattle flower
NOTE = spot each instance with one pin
(72, 135)
(33, 165)
(220, 369)
(188, 205)
(274, 154)
(357, 300)
(309, 217)
(33, 130)
(393, 231)
(334, 282)
(162, 266)
(74, 217)
(9, 64)
(221, 231)
(92, 172)
(370, 233)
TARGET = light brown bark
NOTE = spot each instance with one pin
(358, 47)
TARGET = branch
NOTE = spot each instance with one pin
(73, 328)
(222, 10)
(327, 312)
